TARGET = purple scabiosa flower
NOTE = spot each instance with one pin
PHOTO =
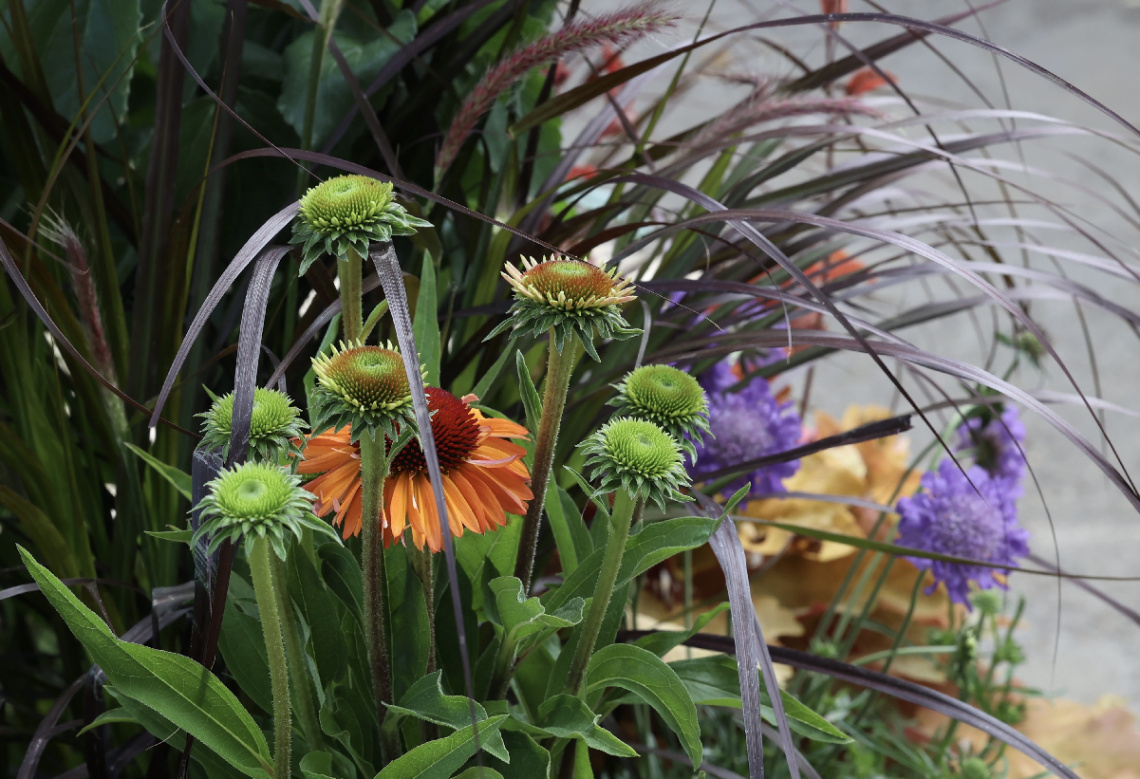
(745, 425)
(964, 515)
(996, 444)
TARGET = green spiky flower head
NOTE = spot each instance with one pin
(275, 428)
(573, 298)
(639, 457)
(363, 386)
(974, 767)
(257, 500)
(668, 397)
(349, 212)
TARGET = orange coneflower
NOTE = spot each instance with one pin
(484, 476)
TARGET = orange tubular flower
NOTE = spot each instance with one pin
(484, 476)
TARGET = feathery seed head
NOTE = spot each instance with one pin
(639, 457)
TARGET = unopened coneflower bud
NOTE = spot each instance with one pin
(638, 457)
(274, 430)
(668, 397)
(257, 501)
(349, 212)
(362, 386)
(570, 297)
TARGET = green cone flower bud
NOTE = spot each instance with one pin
(275, 428)
(349, 212)
(668, 397)
(363, 386)
(639, 457)
(574, 298)
(975, 768)
(257, 500)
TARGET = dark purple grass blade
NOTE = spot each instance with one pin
(313, 331)
(65, 345)
(83, 581)
(680, 758)
(47, 729)
(1127, 611)
(868, 432)
(407, 53)
(889, 685)
(247, 254)
(745, 626)
(352, 167)
(392, 280)
(249, 349)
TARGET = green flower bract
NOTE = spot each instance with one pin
(362, 386)
(639, 457)
(256, 500)
(349, 212)
(668, 397)
(275, 427)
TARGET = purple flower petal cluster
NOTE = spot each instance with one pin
(969, 514)
(996, 444)
(745, 425)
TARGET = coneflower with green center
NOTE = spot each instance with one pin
(258, 505)
(366, 387)
(636, 460)
(342, 217)
(571, 301)
(274, 430)
(668, 397)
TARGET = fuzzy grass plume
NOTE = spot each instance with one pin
(619, 28)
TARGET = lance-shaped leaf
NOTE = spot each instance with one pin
(647, 676)
(188, 695)
(426, 700)
(567, 716)
(439, 759)
(521, 618)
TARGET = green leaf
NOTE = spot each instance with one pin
(487, 556)
(439, 759)
(567, 716)
(425, 325)
(176, 536)
(316, 605)
(365, 57)
(661, 642)
(656, 542)
(186, 693)
(714, 680)
(426, 700)
(492, 373)
(531, 402)
(570, 532)
(646, 675)
(178, 478)
(521, 617)
(42, 532)
(317, 765)
(242, 645)
(479, 773)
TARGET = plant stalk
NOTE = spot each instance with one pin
(348, 270)
(560, 366)
(421, 562)
(373, 470)
(295, 655)
(265, 588)
(621, 518)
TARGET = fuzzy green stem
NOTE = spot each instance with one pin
(348, 270)
(265, 588)
(295, 654)
(421, 562)
(560, 366)
(621, 519)
(373, 470)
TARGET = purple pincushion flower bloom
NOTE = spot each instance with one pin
(951, 517)
(745, 425)
(996, 444)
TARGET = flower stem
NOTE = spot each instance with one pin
(294, 652)
(265, 588)
(373, 470)
(421, 562)
(348, 271)
(560, 365)
(621, 519)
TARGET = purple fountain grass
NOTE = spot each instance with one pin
(619, 28)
